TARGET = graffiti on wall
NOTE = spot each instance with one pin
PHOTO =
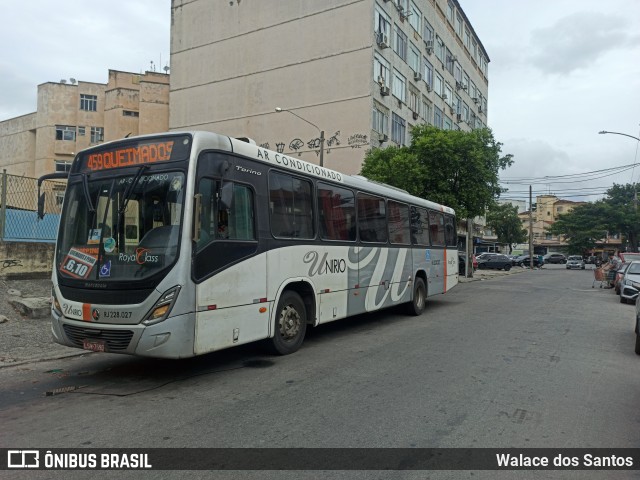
(358, 140)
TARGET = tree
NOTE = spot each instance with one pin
(504, 221)
(455, 168)
(587, 224)
(582, 227)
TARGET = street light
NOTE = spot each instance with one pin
(616, 133)
(635, 191)
(278, 110)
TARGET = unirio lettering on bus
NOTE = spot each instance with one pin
(129, 156)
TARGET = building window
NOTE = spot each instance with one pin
(437, 117)
(451, 59)
(398, 129)
(81, 131)
(399, 86)
(450, 10)
(467, 38)
(447, 124)
(415, 17)
(97, 134)
(465, 112)
(130, 113)
(414, 103)
(399, 232)
(428, 73)
(440, 49)
(459, 25)
(381, 70)
(414, 58)
(428, 31)
(438, 84)
(426, 110)
(380, 120)
(449, 93)
(62, 166)
(59, 198)
(382, 23)
(400, 45)
(88, 102)
(65, 132)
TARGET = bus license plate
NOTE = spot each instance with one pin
(93, 345)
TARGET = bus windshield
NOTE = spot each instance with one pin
(121, 227)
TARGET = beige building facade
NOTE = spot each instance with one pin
(362, 72)
(73, 115)
(548, 209)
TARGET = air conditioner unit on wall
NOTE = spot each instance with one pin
(415, 115)
(459, 117)
(383, 137)
(382, 40)
(429, 45)
(417, 76)
(384, 90)
(429, 88)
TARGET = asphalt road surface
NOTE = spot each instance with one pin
(536, 359)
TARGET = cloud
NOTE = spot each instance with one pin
(577, 41)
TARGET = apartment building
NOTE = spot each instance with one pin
(548, 209)
(72, 115)
(345, 75)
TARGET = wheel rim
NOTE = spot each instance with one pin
(419, 297)
(289, 323)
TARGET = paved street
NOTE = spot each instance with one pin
(531, 359)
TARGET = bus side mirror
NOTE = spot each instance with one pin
(41, 200)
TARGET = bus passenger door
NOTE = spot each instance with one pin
(228, 266)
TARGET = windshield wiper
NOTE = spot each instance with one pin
(129, 191)
(87, 195)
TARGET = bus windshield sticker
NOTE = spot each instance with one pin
(94, 236)
(78, 264)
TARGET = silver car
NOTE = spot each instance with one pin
(575, 261)
(631, 283)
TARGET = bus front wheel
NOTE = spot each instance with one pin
(417, 305)
(291, 324)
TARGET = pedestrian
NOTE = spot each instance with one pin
(540, 261)
(611, 268)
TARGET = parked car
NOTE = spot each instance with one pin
(555, 258)
(461, 263)
(485, 255)
(631, 284)
(499, 262)
(575, 261)
(620, 277)
(523, 261)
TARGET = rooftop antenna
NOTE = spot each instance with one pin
(166, 69)
(73, 80)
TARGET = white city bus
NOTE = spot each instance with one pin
(179, 244)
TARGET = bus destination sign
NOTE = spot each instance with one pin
(129, 154)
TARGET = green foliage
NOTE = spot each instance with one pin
(589, 223)
(504, 221)
(455, 168)
(582, 227)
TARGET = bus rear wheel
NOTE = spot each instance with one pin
(291, 324)
(416, 306)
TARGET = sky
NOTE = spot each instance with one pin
(560, 71)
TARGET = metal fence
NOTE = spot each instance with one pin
(19, 209)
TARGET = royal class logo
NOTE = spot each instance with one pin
(141, 257)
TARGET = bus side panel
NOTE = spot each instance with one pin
(384, 278)
(452, 268)
(228, 306)
(434, 262)
(332, 271)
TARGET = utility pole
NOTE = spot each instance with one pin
(530, 228)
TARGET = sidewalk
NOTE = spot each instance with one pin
(25, 323)
(489, 274)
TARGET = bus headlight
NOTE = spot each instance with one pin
(160, 311)
(55, 304)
